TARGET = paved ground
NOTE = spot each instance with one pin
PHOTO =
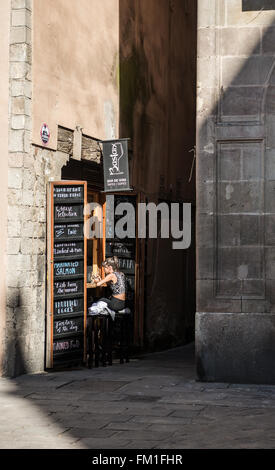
(151, 403)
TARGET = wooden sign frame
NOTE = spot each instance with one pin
(50, 272)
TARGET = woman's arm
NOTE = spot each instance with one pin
(108, 278)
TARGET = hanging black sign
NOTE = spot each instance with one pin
(115, 164)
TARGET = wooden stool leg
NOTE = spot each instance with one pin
(100, 341)
(127, 338)
(109, 342)
(96, 341)
(92, 347)
(90, 343)
(103, 340)
(121, 346)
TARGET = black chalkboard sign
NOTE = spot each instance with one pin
(121, 198)
(68, 272)
(68, 212)
(121, 248)
(68, 231)
(68, 345)
(68, 288)
(127, 265)
(65, 269)
(131, 282)
(69, 249)
(68, 307)
(124, 249)
(68, 326)
(69, 193)
(130, 289)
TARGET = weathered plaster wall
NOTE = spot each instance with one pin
(157, 111)
(75, 67)
(235, 191)
(4, 103)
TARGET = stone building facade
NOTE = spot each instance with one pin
(235, 322)
(133, 68)
(106, 69)
(28, 165)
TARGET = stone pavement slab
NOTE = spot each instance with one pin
(153, 402)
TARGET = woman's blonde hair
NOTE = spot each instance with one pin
(113, 262)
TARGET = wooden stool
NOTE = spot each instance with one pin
(99, 340)
(122, 332)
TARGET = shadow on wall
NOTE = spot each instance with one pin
(15, 360)
(157, 82)
(23, 351)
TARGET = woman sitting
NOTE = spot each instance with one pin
(116, 281)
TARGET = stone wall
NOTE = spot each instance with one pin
(5, 18)
(30, 169)
(20, 198)
(235, 334)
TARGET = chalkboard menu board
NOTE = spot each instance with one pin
(68, 232)
(71, 287)
(69, 193)
(124, 249)
(68, 212)
(68, 273)
(68, 249)
(65, 269)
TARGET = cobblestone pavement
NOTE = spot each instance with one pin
(154, 402)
